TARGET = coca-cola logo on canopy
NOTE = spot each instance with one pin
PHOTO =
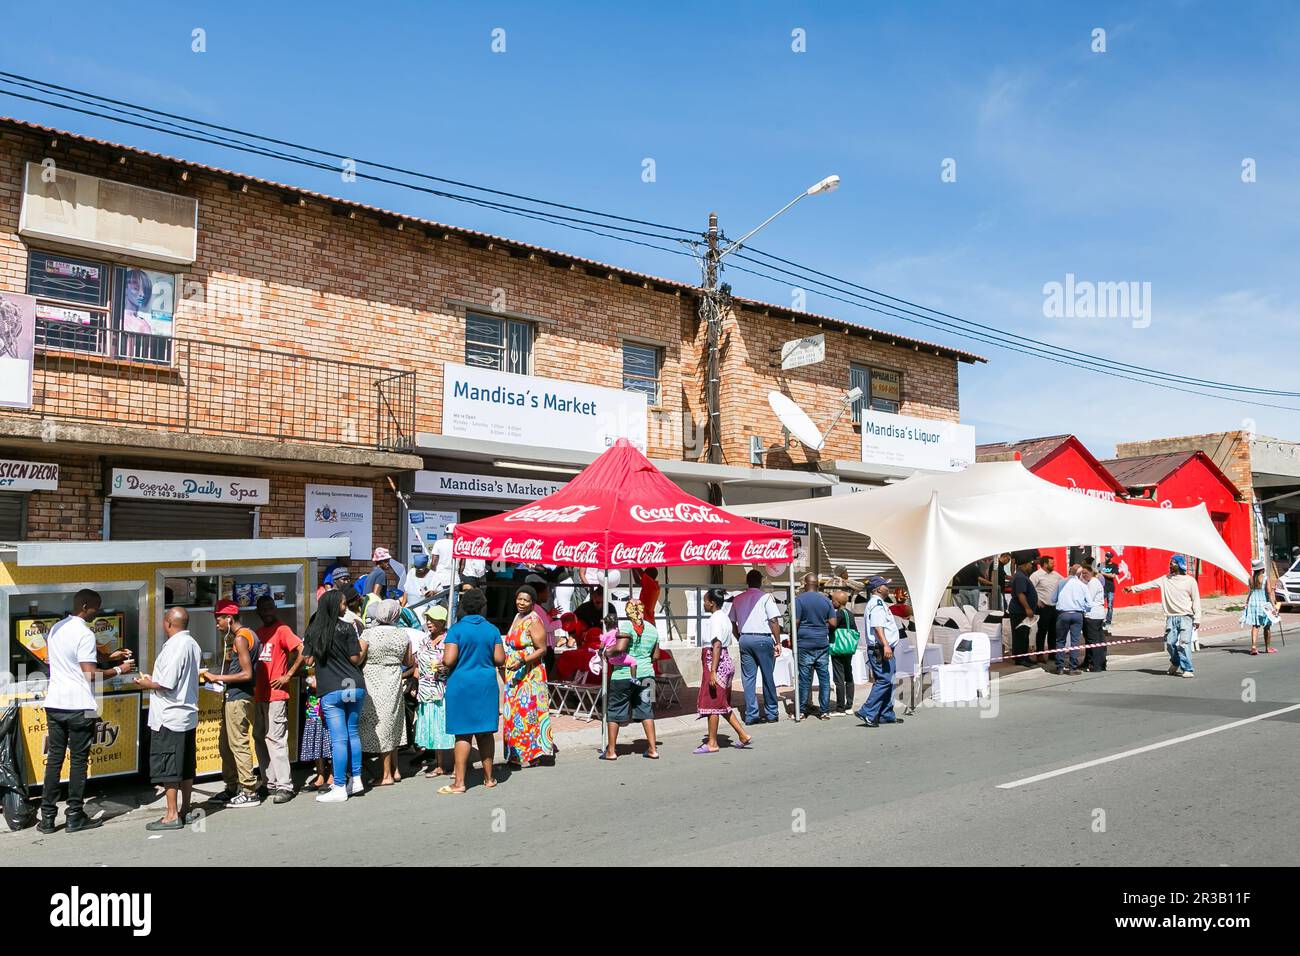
(772, 550)
(641, 555)
(580, 552)
(529, 549)
(478, 548)
(684, 512)
(716, 551)
(565, 515)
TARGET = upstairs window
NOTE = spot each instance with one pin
(502, 344)
(641, 370)
(882, 390)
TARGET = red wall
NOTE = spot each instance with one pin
(1188, 486)
(1069, 468)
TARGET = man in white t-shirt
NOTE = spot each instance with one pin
(72, 709)
(174, 718)
(757, 622)
(441, 561)
(420, 580)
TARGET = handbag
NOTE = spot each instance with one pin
(845, 640)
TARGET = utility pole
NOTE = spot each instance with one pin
(712, 318)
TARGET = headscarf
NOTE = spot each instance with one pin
(383, 612)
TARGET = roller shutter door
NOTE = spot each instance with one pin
(12, 508)
(178, 521)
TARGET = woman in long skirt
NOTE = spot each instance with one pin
(714, 700)
(431, 715)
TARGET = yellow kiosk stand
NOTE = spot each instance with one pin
(138, 580)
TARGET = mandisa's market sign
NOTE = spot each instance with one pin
(185, 486)
(527, 410)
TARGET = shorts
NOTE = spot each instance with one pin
(632, 700)
(173, 755)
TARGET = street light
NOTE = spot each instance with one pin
(827, 185)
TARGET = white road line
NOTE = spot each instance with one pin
(1141, 750)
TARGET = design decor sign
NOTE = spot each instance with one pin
(454, 484)
(527, 410)
(28, 476)
(905, 442)
(186, 486)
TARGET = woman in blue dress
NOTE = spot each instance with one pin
(473, 652)
(1259, 612)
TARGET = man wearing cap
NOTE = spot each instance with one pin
(1023, 610)
(420, 580)
(387, 573)
(236, 682)
(1182, 603)
(1109, 575)
(881, 628)
(442, 562)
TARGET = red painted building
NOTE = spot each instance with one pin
(1177, 480)
(1183, 479)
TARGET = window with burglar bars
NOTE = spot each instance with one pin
(502, 344)
(860, 376)
(641, 370)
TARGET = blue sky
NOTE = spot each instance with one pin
(1116, 166)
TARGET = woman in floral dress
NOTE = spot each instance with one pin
(431, 717)
(526, 728)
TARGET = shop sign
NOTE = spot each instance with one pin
(806, 351)
(526, 410)
(902, 441)
(28, 476)
(340, 511)
(115, 749)
(430, 526)
(187, 486)
(451, 484)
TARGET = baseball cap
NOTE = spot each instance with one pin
(420, 560)
(436, 612)
(877, 581)
(1179, 561)
(226, 607)
(381, 554)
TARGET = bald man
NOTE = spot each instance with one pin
(174, 717)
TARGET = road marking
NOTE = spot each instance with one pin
(1141, 750)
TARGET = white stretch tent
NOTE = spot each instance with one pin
(933, 525)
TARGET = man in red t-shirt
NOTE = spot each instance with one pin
(278, 657)
(648, 580)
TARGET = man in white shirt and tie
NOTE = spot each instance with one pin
(881, 628)
(757, 623)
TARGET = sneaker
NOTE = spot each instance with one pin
(1188, 674)
(283, 796)
(224, 796)
(242, 800)
(355, 786)
(332, 795)
(1173, 670)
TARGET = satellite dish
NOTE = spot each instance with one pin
(796, 421)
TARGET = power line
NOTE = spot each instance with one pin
(1054, 349)
(991, 338)
(30, 83)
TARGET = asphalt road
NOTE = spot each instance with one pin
(827, 792)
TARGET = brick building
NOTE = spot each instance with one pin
(196, 324)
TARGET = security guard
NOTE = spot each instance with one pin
(881, 628)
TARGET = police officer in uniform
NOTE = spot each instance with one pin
(881, 628)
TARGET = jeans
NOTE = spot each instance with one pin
(1178, 641)
(271, 740)
(967, 597)
(1110, 606)
(72, 731)
(1069, 630)
(819, 660)
(1045, 636)
(842, 671)
(342, 712)
(879, 708)
(1095, 658)
(757, 654)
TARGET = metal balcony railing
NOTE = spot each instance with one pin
(212, 388)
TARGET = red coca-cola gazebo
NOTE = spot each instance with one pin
(621, 512)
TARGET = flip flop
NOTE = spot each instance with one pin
(605, 756)
(650, 756)
(446, 791)
(489, 784)
(1271, 650)
(747, 745)
(704, 749)
(1254, 652)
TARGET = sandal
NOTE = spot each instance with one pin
(447, 791)
(747, 745)
(605, 756)
(650, 756)
(1254, 652)
(435, 772)
(704, 749)
(1271, 650)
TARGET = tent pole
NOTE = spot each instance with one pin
(451, 598)
(794, 641)
(604, 671)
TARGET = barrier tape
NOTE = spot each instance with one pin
(1042, 653)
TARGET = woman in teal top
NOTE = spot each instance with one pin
(632, 686)
(473, 652)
